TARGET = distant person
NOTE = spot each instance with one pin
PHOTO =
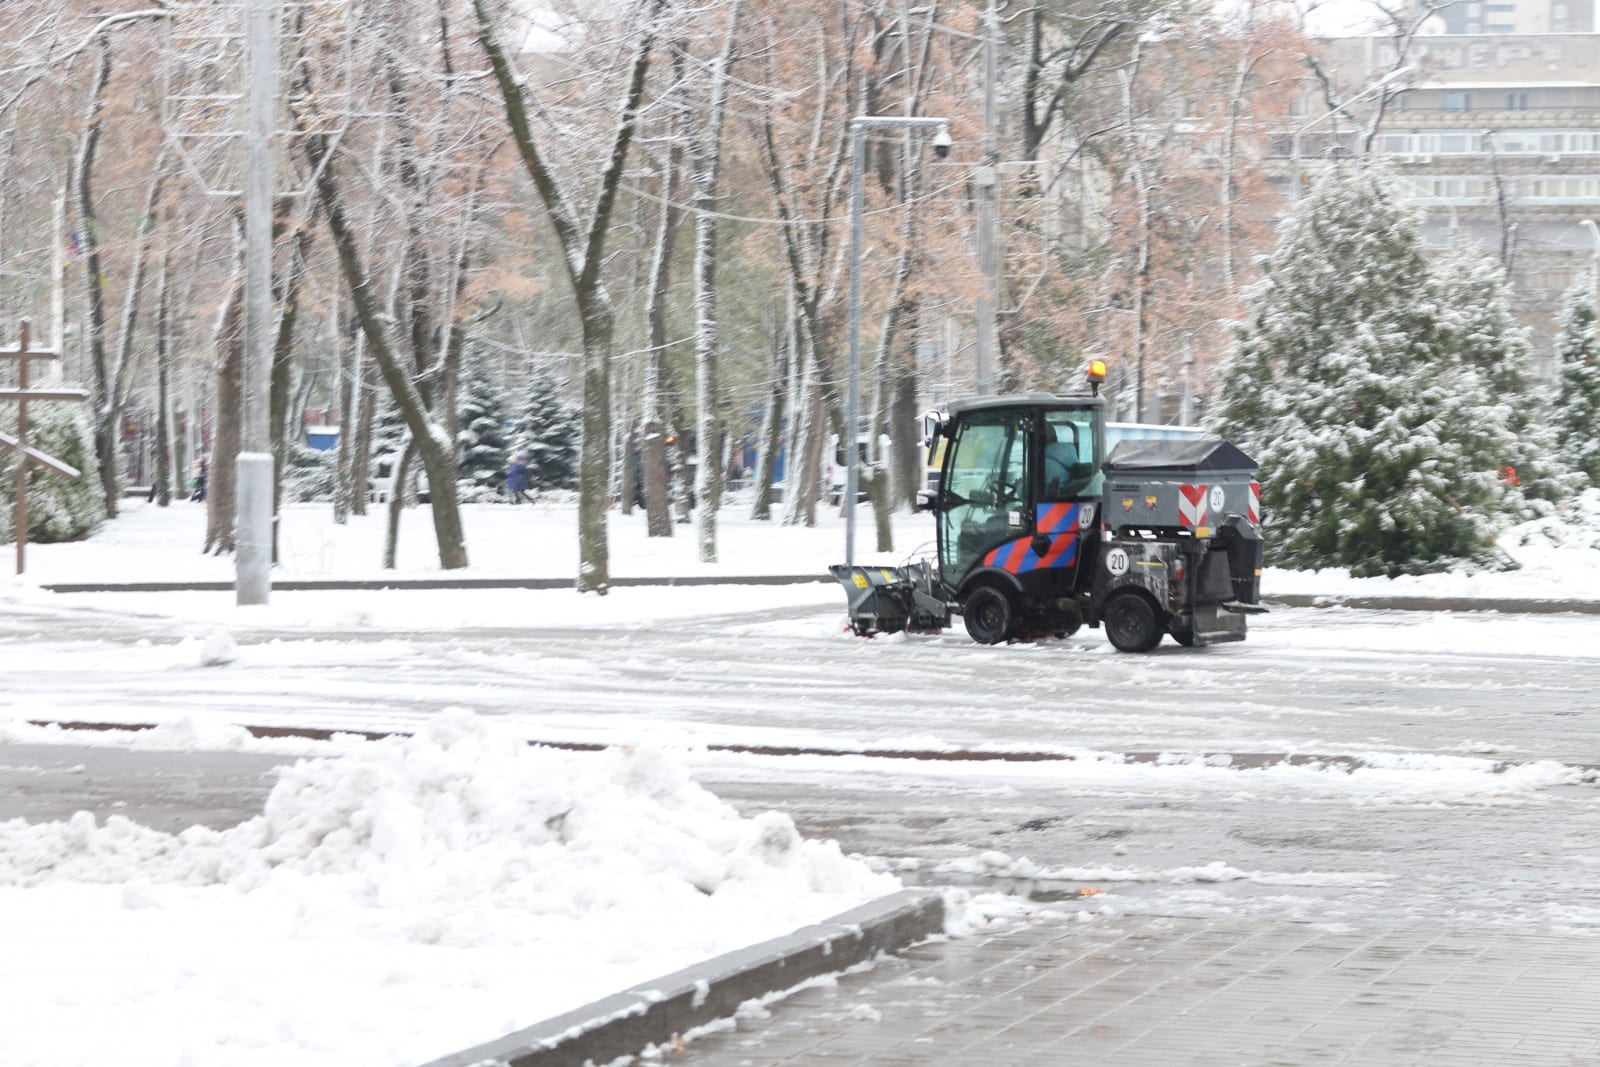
(199, 492)
(517, 479)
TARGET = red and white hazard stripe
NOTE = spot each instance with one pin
(1191, 505)
(1255, 502)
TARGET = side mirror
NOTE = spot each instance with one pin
(927, 500)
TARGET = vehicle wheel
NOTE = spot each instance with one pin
(1131, 623)
(988, 616)
(1184, 637)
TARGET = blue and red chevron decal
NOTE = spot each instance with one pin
(1055, 518)
(1059, 522)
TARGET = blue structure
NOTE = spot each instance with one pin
(322, 438)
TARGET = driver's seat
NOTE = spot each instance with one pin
(1060, 456)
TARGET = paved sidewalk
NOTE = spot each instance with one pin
(1147, 991)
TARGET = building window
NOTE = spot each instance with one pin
(1502, 27)
(1516, 101)
(1457, 102)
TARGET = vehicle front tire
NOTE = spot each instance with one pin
(989, 616)
(1131, 625)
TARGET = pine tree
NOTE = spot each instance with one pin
(388, 431)
(548, 432)
(1349, 386)
(1475, 292)
(1577, 412)
(482, 438)
(58, 509)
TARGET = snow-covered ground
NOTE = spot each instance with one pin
(1558, 557)
(390, 905)
(397, 900)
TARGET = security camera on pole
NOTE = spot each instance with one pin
(858, 163)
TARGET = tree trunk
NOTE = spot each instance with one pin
(435, 449)
(164, 465)
(627, 482)
(584, 256)
(278, 404)
(105, 433)
(221, 486)
(905, 434)
(771, 432)
(877, 490)
(344, 486)
(658, 391)
(812, 438)
(367, 383)
(397, 501)
(707, 166)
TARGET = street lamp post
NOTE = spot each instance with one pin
(858, 161)
(253, 517)
(1594, 252)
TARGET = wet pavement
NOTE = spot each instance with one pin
(1155, 991)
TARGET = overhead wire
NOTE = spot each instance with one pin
(777, 221)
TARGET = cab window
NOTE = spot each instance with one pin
(1070, 468)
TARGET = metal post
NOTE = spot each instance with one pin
(253, 519)
(858, 159)
(986, 178)
(858, 164)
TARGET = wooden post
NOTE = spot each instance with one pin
(19, 444)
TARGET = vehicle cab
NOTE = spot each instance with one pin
(1018, 494)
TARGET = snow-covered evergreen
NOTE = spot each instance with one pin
(389, 431)
(549, 432)
(483, 441)
(58, 509)
(1475, 295)
(1381, 441)
(308, 474)
(1577, 411)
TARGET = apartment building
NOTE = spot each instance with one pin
(1497, 136)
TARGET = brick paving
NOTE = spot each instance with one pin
(1193, 992)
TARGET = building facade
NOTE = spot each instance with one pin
(1496, 135)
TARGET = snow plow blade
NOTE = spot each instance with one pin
(887, 600)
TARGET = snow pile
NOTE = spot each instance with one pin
(1557, 558)
(370, 876)
(1576, 526)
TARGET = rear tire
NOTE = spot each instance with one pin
(989, 616)
(1182, 635)
(1130, 621)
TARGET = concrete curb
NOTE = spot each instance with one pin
(1525, 606)
(306, 585)
(1517, 606)
(651, 1013)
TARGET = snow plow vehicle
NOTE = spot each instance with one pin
(1039, 532)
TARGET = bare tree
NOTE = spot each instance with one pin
(706, 159)
(584, 256)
